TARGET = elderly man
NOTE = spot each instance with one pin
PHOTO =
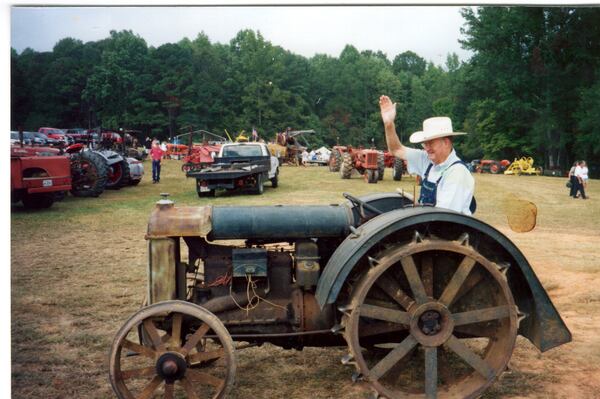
(446, 181)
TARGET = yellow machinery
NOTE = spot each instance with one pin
(522, 166)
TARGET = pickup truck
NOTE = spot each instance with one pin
(238, 166)
(37, 175)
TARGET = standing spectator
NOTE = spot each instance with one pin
(163, 147)
(304, 157)
(573, 179)
(156, 153)
(584, 174)
(254, 134)
(579, 179)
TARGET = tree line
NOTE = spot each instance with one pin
(531, 87)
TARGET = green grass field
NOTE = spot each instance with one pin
(78, 272)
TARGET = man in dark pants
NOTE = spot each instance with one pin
(579, 181)
(156, 153)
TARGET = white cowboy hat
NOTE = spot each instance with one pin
(440, 126)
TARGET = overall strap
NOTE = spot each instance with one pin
(427, 171)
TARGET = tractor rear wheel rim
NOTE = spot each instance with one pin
(448, 318)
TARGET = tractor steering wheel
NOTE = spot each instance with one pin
(362, 205)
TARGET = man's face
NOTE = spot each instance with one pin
(437, 149)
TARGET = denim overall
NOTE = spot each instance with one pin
(428, 195)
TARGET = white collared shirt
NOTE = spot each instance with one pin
(456, 188)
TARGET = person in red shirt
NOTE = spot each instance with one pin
(156, 153)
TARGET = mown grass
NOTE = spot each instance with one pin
(78, 271)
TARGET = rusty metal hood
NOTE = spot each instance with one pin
(168, 221)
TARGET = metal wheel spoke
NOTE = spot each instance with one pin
(386, 314)
(176, 329)
(137, 373)
(150, 388)
(137, 348)
(431, 372)
(470, 357)
(391, 287)
(189, 388)
(477, 331)
(169, 390)
(205, 378)
(459, 277)
(153, 333)
(474, 278)
(416, 284)
(427, 274)
(476, 316)
(393, 357)
(205, 356)
(195, 338)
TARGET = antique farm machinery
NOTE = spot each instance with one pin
(288, 146)
(370, 163)
(489, 166)
(429, 302)
(200, 155)
(523, 166)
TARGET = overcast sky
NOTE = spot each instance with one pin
(430, 31)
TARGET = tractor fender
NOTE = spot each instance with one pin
(542, 324)
(111, 157)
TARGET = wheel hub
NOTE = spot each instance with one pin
(431, 324)
(171, 366)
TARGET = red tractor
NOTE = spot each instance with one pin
(489, 165)
(38, 175)
(369, 163)
(199, 156)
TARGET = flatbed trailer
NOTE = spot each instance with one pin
(231, 173)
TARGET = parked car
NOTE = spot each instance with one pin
(30, 138)
(54, 133)
(81, 135)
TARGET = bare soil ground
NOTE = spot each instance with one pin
(78, 271)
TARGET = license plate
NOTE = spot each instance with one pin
(204, 189)
(47, 183)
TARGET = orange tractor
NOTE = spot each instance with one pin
(370, 163)
(489, 166)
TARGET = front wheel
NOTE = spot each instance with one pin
(372, 176)
(275, 180)
(187, 353)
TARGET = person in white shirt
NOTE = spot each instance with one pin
(446, 181)
(584, 174)
(304, 157)
(579, 176)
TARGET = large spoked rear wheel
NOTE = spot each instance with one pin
(186, 353)
(432, 318)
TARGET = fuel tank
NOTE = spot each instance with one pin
(280, 221)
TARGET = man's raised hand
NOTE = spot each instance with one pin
(388, 109)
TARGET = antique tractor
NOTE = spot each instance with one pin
(370, 163)
(489, 166)
(429, 302)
